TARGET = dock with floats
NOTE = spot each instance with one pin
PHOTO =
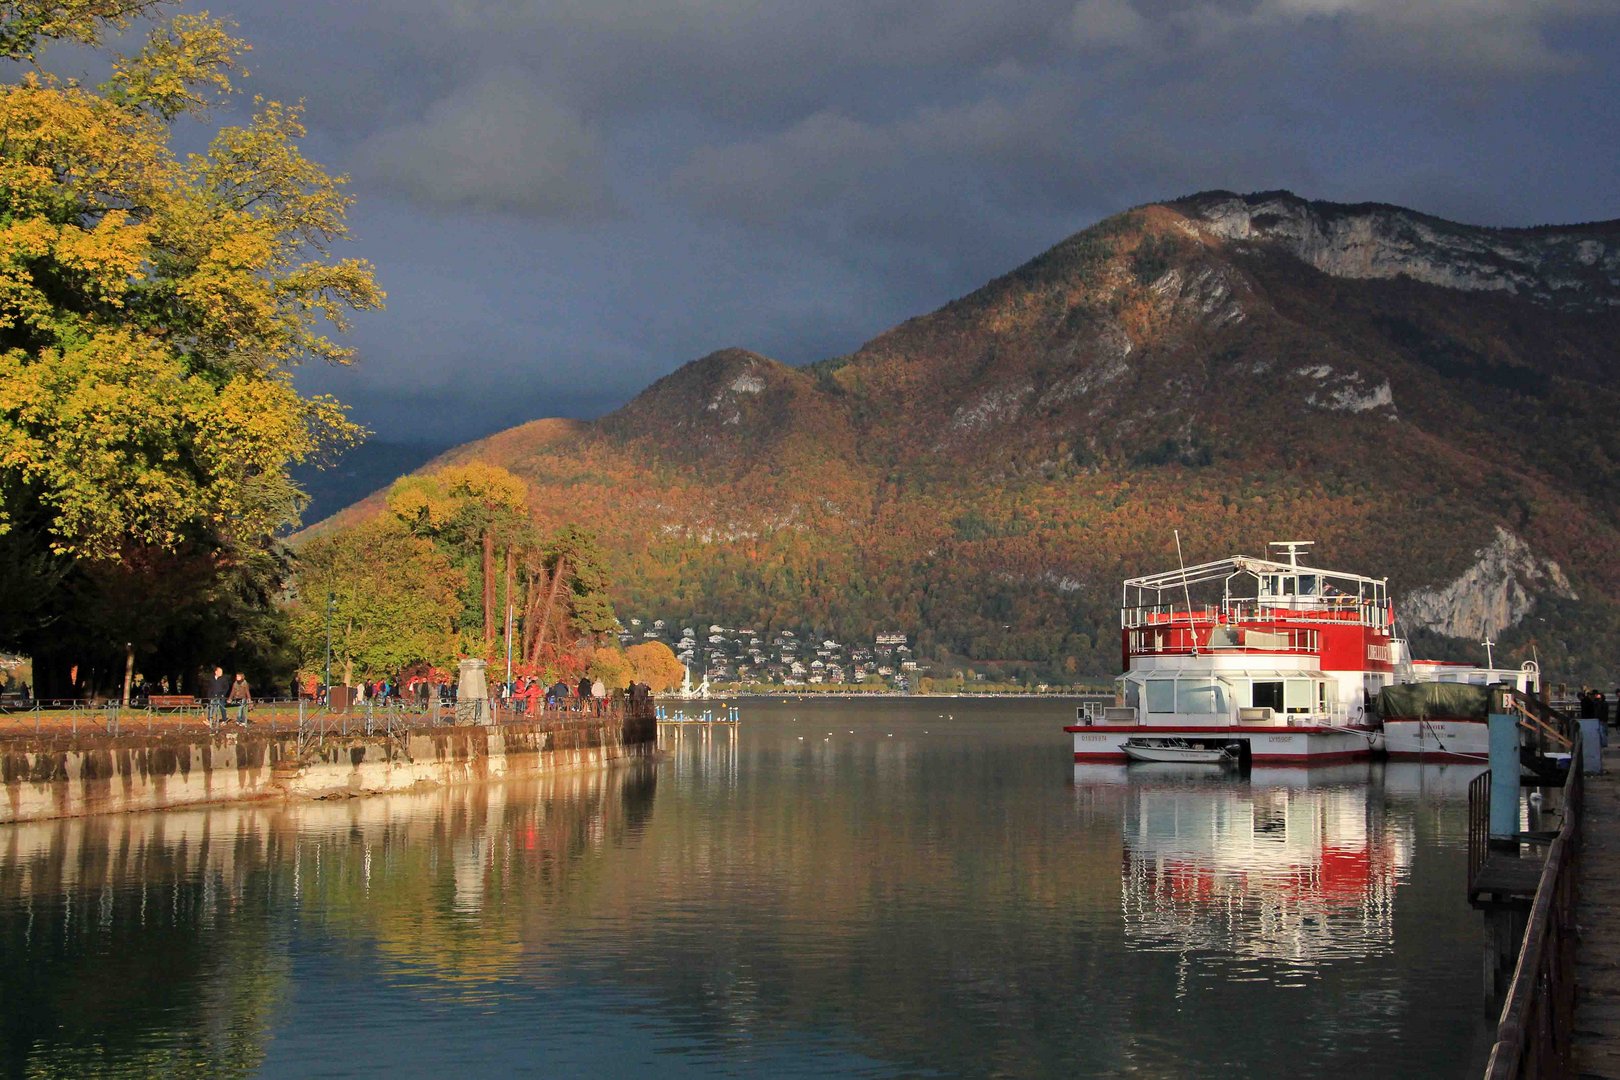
(676, 720)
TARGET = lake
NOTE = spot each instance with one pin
(878, 888)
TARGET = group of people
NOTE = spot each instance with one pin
(531, 695)
(225, 692)
(1594, 706)
(528, 694)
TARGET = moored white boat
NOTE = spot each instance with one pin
(1440, 726)
(1177, 751)
(1271, 655)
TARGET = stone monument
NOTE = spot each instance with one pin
(472, 694)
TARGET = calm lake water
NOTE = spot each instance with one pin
(878, 888)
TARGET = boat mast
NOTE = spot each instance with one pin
(1186, 593)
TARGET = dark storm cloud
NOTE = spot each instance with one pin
(568, 199)
(501, 143)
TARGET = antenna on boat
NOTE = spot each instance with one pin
(1292, 548)
(1186, 592)
(1489, 664)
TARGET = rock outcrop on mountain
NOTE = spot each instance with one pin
(1490, 597)
(1428, 400)
(1571, 268)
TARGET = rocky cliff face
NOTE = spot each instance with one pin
(1576, 268)
(1491, 596)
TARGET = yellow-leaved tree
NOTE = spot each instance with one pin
(655, 664)
(152, 305)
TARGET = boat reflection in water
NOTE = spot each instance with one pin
(1294, 867)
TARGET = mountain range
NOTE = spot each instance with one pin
(1426, 400)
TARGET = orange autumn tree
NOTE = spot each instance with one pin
(655, 664)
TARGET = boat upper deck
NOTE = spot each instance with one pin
(1254, 591)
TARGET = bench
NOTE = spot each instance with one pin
(172, 701)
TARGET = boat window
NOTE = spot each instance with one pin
(1203, 698)
(1161, 696)
(1268, 695)
(1133, 694)
(1297, 695)
(1307, 584)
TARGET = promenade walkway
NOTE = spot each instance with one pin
(1597, 968)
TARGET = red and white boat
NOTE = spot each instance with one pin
(1274, 658)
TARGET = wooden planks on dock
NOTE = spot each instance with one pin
(1505, 879)
(1597, 918)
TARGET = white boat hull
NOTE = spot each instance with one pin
(1156, 751)
(1268, 745)
(1437, 740)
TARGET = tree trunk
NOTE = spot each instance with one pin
(531, 612)
(129, 671)
(489, 588)
(557, 575)
(506, 605)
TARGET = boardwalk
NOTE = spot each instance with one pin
(1597, 1007)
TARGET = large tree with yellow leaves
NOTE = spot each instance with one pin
(151, 308)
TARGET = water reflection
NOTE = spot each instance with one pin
(155, 943)
(1271, 870)
(886, 890)
(1295, 867)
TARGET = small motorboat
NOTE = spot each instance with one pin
(1179, 750)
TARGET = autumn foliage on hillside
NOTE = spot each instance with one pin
(984, 476)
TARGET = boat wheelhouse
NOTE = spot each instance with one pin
(1273, 655)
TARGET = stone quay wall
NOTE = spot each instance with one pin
(44, 778)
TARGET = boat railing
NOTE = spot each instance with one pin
(1182, 639)
(1323, 609)
(1535, 1034)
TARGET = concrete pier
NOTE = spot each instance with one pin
(1597, 918)
(47, 778)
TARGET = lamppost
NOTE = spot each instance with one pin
(331, 604)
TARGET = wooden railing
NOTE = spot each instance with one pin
(1534, 1035)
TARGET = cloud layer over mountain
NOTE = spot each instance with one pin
(567, 199)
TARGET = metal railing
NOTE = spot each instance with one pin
(1330, 609)
(1535, 1034)
(1479, 825)
(77, 720)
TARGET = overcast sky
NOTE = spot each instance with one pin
(566, 200)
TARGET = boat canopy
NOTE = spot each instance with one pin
(1417, 701)
(1255, 589)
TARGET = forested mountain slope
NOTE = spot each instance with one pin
(1427, 400)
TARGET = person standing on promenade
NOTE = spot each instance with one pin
(241, 697)
(584, 693)
(219, 688)
(599, 695)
